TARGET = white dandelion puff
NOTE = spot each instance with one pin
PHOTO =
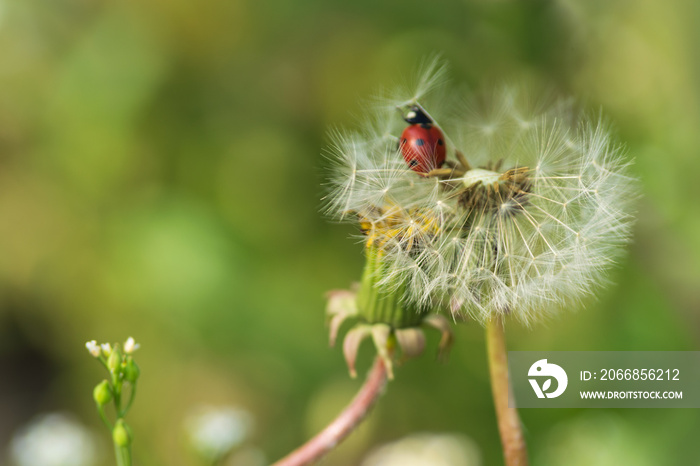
(531, 207)
(434, 449)
(214, 431)
(54, 439)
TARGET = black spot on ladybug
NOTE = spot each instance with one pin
(440, 142)
(405, 141)
(413, 163)
(420, 142)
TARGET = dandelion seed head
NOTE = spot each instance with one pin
(532, 206)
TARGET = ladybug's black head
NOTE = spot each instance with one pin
(416, 116)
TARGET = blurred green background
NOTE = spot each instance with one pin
(160, 171)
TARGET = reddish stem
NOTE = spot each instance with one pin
(514, 448)
(344, 424)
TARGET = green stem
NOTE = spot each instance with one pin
(132, 394)
(117, 387)
(123, 455)
(103, 360)
(509, 425)
(103, 416)
(216, 461)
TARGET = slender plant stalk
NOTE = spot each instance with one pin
(123, 455)
(122, 452)
(103, 416)
(509, 426)
(344, 423)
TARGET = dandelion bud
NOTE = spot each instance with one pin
(131, 371)
(102, 393)
(122, 434)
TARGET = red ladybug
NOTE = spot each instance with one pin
(422, 143)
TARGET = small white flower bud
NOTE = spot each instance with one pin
(93, 348)
(130, 345)
(106, 349)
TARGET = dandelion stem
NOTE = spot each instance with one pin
(344, 423)
(509, 426)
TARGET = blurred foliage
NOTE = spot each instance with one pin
(160, 176)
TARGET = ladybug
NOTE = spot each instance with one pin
(422, 143)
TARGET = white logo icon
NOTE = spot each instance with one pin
(543, 369)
